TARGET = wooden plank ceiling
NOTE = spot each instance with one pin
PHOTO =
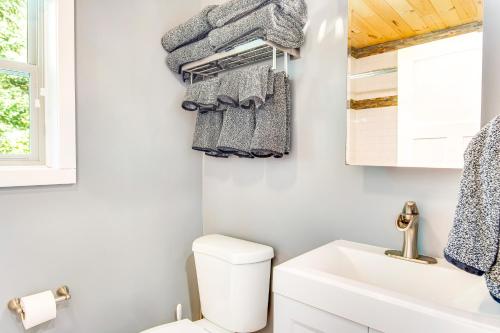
(373, 22)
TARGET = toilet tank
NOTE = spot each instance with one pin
(233, 280)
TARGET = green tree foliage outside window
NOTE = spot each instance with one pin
(14, 87)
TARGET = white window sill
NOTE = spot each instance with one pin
(11, 176)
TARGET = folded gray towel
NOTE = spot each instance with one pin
(253, 85)
(237, 131)
(270, 136)
(271, 23)
(192, 30)
(207, 131)
(189, 53)
(202, 96)
(473, 243)
(236, 9)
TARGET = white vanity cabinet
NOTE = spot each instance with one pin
(346, 287)
(294, 317)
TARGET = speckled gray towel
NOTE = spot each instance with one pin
(192, 30)
(270, 136)
(237, 131)
(228, 93)
(189, 53)
(236, 9)
(473, 243)
(246, 87)
(207, 131)
(269, 21)
(202, 96)
(253, 86)
(288, 87)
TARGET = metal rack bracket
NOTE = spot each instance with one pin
(243, 55)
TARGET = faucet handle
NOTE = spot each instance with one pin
(408, 217)
(410, 208)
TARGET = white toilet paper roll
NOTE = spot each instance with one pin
(38, 308)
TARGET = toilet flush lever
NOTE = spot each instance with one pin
(178, 312)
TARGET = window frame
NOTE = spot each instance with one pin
(56, 89)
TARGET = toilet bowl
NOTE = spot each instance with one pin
(233, 279)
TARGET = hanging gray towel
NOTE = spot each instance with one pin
(270, 136)
(192, 30)
(207, 131)
(207, 99)
(228, 93)
(253, 86)
(473, 243)
(190, 102)
(237, 131)
(288, 146)
(217, 154)
(189, 53)
(202, 96)
(236, 9)
(271, 23)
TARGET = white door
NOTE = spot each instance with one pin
(294, 317)
(439, 104)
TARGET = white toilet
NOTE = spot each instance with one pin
(233, 280)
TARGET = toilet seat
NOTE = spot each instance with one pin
(187, 326)
(183, 326)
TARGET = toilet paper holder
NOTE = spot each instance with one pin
(14, 305)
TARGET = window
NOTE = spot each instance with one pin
(37, 98)
(21, 69)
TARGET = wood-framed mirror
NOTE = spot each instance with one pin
(414, 81)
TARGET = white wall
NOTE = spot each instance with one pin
(312, 197)
(120, 238)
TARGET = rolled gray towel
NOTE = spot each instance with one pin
(207, 131)
(473, 243)
(189, 53)
(237, 131)
(253, 86)
(192, 30)
(232, 11)
(270, 136)
(269, 21)
(236, 9)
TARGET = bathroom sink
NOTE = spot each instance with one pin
(358, 282)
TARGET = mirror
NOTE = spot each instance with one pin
(414, 81)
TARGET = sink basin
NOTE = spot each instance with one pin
(358, 282)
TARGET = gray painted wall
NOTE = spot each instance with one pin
(491, 61)
(312, 197)
(121, 237)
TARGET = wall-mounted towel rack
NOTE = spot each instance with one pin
(243, 55)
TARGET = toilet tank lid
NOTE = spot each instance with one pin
(235, 251)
